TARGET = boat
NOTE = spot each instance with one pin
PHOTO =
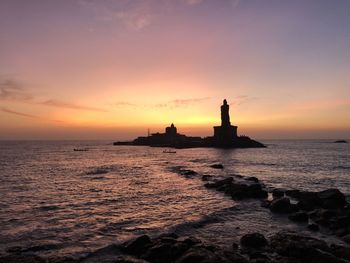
(80, 149)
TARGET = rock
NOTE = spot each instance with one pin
(198, 255)
(138, 246)
(224, 182)
(299, 217)
(165, 252)
(253, 179)
(241, 191)
(332, 199)
(313, 227)
(308, 201)
(235, 246)
(206, 177)
(296, 246)
(278, 193)
(22, 259)
(293, 193)
(190, 240)
(64, 259)
(217, 166)
(254, 240)
(346, 238)
(187, 172)
(281, 205)
(341, 251)
(106, 254)
(320, 256)
(265, 203)
(255, 191)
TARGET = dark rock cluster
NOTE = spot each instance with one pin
(327, 209)
(254, 247)
(240, 188)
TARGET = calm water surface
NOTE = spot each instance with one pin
(76, 202)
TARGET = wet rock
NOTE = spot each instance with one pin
(278, 193)
(299, 217)
(65, 259)
(265, 203)
(346, 238)
(107, 254)
(332, 199)
(313, 227)
(187, 172)
(341, 251)
(191, 241)
(296, 246)
(253, 179)
(281, 205)
(165, 252)
(217, 166)
(308, 201)
(197, 255)
(241, 191)
(254, 240)
(224, 182)
(22, 259)
(259, 257)
(138, 246)
(293, 193)
(320, 256)
(206, 177)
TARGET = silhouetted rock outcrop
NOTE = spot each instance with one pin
(225, 136)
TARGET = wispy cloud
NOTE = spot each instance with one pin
(123, 104)
(61, 104)
(192, 2)
(18, 113)
(242, 99)
(12, 90)
(134, 15)
(178, 103)
(9, 111)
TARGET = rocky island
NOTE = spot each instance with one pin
(225, 136)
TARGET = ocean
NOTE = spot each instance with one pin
(65, 202)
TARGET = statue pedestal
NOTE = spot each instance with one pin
(224, 135)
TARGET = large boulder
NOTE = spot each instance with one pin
(281, 205)
(299, 217)
(253, 240)
(296, 246)
(198, 255)
(22, 259)
(277, 193)
(308, 201)
(138, 246)
(332, 199)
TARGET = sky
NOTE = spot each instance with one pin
(111, 69)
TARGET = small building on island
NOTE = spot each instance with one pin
(225, 136)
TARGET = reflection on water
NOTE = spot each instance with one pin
(73, 201)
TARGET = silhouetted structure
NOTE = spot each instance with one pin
(226, 132)
(225, 136)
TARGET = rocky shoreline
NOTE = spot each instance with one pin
(327, 211)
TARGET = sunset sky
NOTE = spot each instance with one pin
(111, 69)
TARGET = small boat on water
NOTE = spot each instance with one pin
(169, 151)
(80, 149)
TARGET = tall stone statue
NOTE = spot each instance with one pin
(225, 116)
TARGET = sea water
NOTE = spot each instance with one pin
(55, 200)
